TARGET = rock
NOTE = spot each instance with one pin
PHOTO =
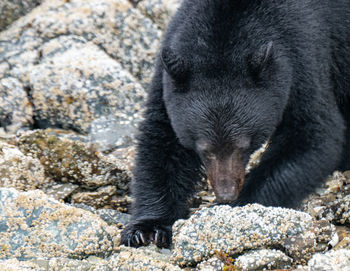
(55, 264)
(332, 201)
(66, 160)
(16, 111)
(76, 84)
(33, 226)
(264, 259)
(213, 264)
(97, 199)
(16, 265)
(331, 261)
(160, 11)
(110, 216)
(11, 10)
(142, 259)
(61, 191)
(114, 25)
(20, 171)
(234, 230)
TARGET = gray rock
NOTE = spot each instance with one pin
(55, 264)
(112, 217)
(61, 191)
(33, 226)
(98, 199)
(234, 230)
(114, 25)
(16, 111)
(264, 259)
(16, 265)
(159, 11)
(213, 264)
(20, 171)
(77, 83)
(11, 10)
(142, 259)
(332, 201)
(338, 260)
(66, 160)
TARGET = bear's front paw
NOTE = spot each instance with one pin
(144, 234)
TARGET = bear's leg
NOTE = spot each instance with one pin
(306, 147)
(345, 165)
(165, 176)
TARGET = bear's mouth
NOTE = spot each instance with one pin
(226, 176)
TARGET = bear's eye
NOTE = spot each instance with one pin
(202, 146)
(243, 142)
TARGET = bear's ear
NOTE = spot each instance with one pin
(261, 60)
(173, 64)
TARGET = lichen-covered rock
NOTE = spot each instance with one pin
(263, 259)
(114, 25)
(11, 10)
(142, 259)
(159, 11)
(20, 171)
(234, 230)
(77, 83)
(67, 160)
(33, 225)
(331, 261)
(15, 109)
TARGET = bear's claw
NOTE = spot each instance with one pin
(143, 235)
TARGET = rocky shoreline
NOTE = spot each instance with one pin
(73, 80)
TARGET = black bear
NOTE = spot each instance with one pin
(231, 75)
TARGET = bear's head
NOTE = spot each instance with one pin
(224, 107)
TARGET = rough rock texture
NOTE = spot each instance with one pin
(97, 199)
(56, 264)
(20, 171)
(331, 261)
(68, 160)
(114, 25)
(68, 91)
(234, 230)
(16, 111)
(159, 11)
(142, 259)
(212, 264)
(34, 226)
(264, 259)
(331, 202)
(11, 10)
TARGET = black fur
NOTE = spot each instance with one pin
(243, 70)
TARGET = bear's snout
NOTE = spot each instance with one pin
(226, 176)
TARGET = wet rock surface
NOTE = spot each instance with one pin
(73, 81)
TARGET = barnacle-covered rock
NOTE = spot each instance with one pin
(234, 230)
(33, 225)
